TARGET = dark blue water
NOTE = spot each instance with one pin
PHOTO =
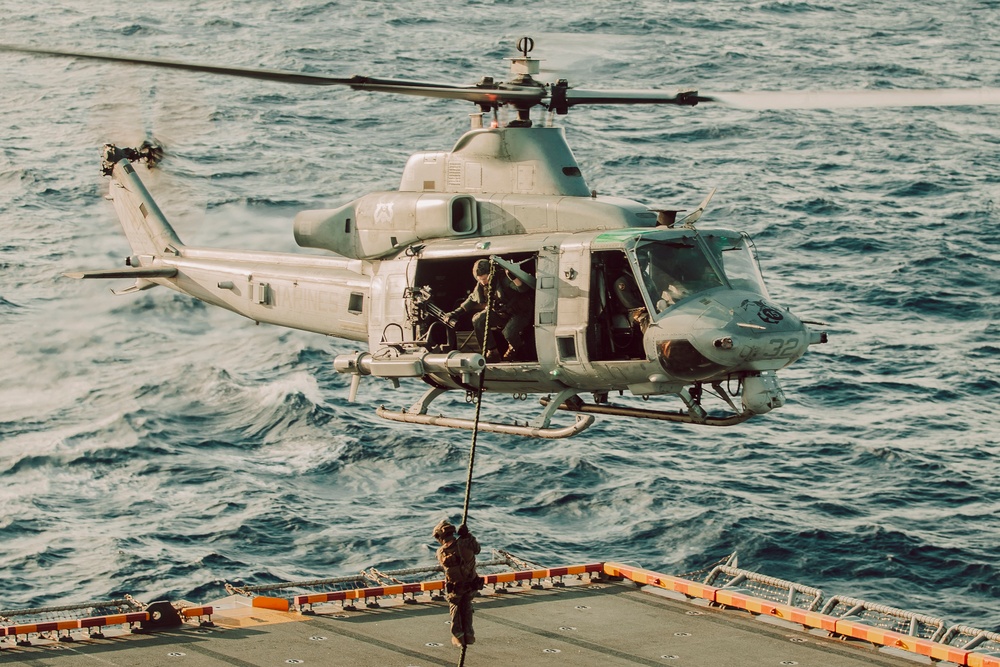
(151, 445)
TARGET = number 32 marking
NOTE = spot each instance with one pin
(783, 347)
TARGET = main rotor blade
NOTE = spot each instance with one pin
(575, 96)
(857, 99)
(561, 97)
(488, 96)
(268, 75)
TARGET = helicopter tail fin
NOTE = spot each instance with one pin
(145, 226)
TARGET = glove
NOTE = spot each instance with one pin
(463, 530)
(452, 318)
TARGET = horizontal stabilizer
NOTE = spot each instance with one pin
(131, 272)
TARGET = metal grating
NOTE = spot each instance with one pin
(973, 639)
(501, 561)
(764, 587)
(83, 610)
(886, 618)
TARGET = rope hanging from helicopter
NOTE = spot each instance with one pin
(479, 394)
(479, 405)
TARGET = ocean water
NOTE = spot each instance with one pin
(152, 445)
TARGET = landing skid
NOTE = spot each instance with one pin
(642, 413)
(582, 423)
(537, 428)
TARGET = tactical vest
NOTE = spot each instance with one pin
(459, 562)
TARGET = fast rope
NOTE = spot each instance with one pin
(479, 396)
(479, 407)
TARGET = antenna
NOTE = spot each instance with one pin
(525, 67)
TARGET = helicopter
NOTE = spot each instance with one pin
(620, 297)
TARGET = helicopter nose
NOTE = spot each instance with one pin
(730, 332)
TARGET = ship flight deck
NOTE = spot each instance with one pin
(598, 613)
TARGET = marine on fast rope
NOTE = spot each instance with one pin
(459, 547)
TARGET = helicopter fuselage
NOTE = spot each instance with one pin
(618, 302)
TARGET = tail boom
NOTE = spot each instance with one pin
(327, 295)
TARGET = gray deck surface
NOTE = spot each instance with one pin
(587, 624)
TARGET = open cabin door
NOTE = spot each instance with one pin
(441, 285)
(618, 315)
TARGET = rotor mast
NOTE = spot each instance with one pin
(522, 70)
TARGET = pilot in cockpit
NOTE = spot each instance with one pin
(628, 295)
(688, 273)
(664, 288)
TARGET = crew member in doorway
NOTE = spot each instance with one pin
(457, 555)
(510, 310)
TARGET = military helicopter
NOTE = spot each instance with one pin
(620, 297)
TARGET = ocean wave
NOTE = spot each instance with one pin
(164, 448)
(9, 306)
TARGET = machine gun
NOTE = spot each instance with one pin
(424, 314)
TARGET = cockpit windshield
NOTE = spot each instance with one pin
(671, 270)
(738, 261)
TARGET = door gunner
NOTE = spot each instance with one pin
(510, 310)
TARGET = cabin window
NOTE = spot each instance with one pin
(567, 347)
(356, 302)
(262, 294)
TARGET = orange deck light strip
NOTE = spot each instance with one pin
(804, 617)
(902, 641)
(374, 591)
(641, 576)
(399, 589)
(74, 624)
(981, 660)
(812, 619)
(114, 619)
(191, 612)
(550, 573)
(30, 628)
